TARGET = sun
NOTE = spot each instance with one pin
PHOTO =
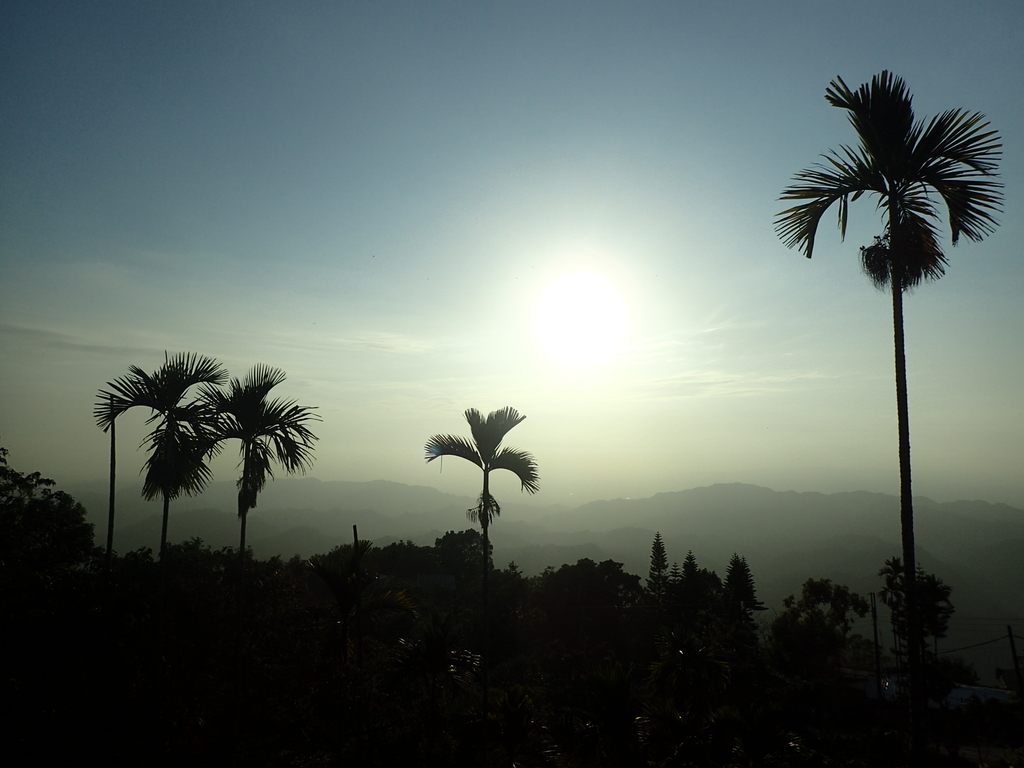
(580, 319)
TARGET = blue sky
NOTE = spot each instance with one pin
(374, 197)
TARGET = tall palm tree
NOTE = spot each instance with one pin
(182, 439)
(113, 474)
(908, 165)
(485, 450)
(268, 430)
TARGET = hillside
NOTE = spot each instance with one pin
(786, 537)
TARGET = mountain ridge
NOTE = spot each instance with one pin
(786, 537)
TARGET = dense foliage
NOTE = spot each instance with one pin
(370, 656)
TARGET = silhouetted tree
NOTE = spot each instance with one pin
(485, 450)
(936, 609)
(675, 576)
(267, 430)
(587, 608)
(342, 571)
(509, 613)
(698, 595)
(406, 560)
(739, 592)
(436, 656)
(183, 437)
(458, 553)
(42, 531)
(902, 161)
(522, 734)
(690, 672)
(657, 576)
(607, 706)
(808, 637)
(687, 588)
(893, 595)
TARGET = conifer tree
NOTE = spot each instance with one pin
(740, 595)
(689, 587)
(657, 576)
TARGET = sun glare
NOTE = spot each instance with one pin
(580, 319)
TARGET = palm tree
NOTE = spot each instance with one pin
(907, 164)
(435, 655)
(342, 571)
(486, 451)
(268, 430)
(182, 440)
(689, 673)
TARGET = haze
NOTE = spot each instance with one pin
(375, 197)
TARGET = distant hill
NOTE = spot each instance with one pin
(786, 537)
(295, 516)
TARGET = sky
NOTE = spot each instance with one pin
(414, 208)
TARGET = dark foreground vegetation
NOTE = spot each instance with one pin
(367, 656)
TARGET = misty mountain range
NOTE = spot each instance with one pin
(786, 537)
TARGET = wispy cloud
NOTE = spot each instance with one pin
(355, 341)
(26, 339)
(717, 383)
(384, 342)
(678, 343)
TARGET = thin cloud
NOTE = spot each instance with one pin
(663, 346)
(42, 339)
(715, 383)
(385, 342)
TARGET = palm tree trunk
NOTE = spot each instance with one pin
(242, 516)
(485, 524)
(907, 519)
(110, 511)
(163, 527)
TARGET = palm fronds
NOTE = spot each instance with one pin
(161, 391)
(268, 431)
(182, 440)
(451, 445)
(485, 449)
(903, 162)
(521, 464)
